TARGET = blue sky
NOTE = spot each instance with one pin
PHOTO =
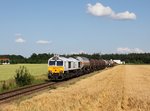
(74, 26)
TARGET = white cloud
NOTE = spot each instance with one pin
(124, 16)
(129, 50)
(20, 40)
(82, 52)
(100, 10)
(79, 52)
(123, 50)
(43, 42)
(137, 50)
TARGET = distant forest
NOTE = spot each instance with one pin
(132, 58)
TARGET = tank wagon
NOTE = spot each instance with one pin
(60, 68)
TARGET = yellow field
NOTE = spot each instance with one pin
(122, 88)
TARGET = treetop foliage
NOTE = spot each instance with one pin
(134, 58)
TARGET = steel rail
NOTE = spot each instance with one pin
(24, 90)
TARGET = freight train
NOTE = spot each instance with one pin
(60, 68)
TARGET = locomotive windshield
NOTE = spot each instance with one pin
(59, 63)
(51, 63)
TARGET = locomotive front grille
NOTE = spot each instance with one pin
(56, 69)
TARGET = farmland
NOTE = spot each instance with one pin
(8, 71)
(121, 88)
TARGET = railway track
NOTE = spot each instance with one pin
(10, 95)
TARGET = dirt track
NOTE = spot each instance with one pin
(122, 88)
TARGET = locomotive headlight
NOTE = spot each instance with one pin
(61, 71)
(50, 72)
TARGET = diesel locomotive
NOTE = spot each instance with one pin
(60, 68)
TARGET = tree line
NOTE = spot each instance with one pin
(133, 58)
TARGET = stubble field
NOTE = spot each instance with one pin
(121, 88)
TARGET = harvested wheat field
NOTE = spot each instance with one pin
(121, 88)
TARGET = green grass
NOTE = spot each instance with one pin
(8, 71)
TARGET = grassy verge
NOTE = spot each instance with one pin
(10, 84)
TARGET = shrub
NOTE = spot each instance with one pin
(5, 86)
(23, 77)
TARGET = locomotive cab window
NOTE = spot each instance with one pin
(51, 63)
(59, 63)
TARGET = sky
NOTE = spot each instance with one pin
(74, 26)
